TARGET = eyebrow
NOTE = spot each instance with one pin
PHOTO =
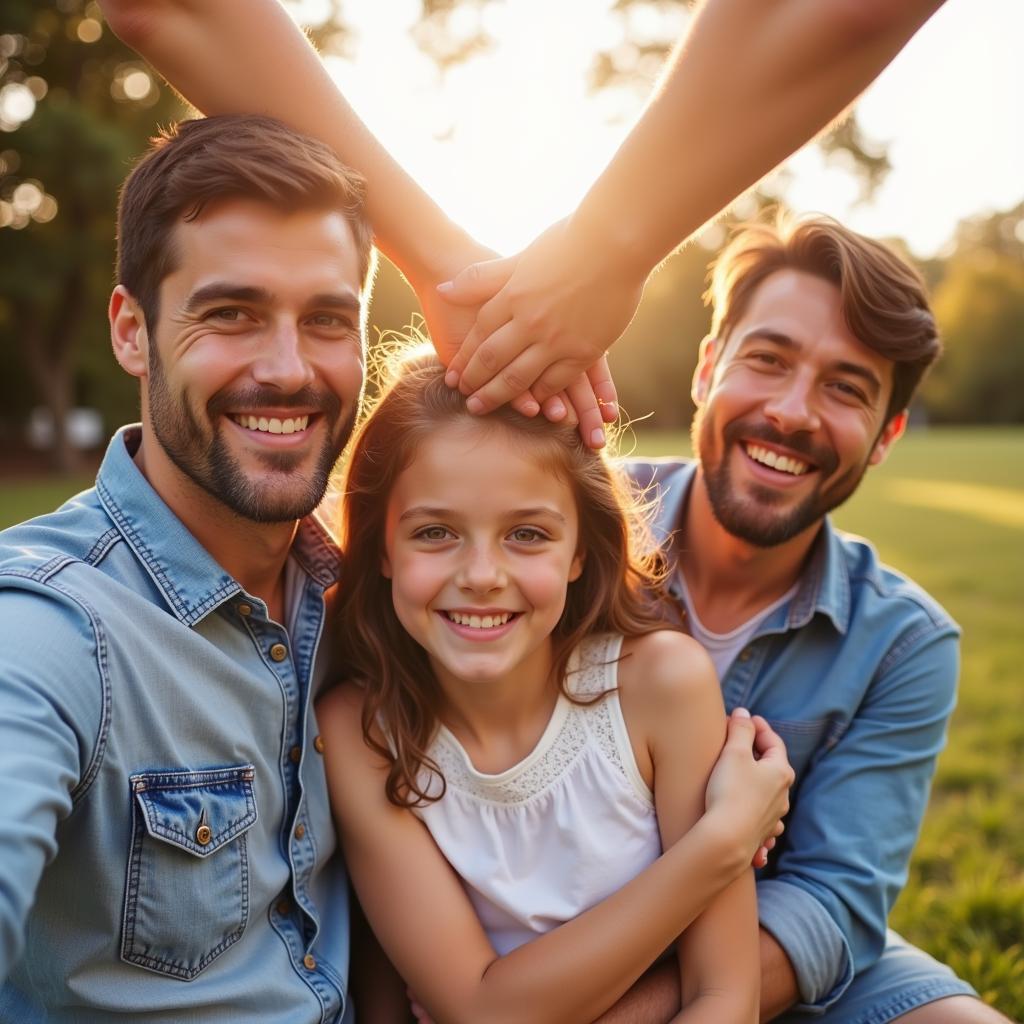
(428, 512)
(221, 291)
(857, 370)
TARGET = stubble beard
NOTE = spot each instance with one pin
(756, 516)
(203, 454)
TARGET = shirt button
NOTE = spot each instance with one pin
(245, 609)
(746, 654)
(309, 962)
(318, 743)
(295, 755)
(284, 907)
(279, 652)
(300, 831)
(203, 835)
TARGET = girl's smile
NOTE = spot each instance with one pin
(480, 546)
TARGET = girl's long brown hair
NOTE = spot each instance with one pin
(621, 569)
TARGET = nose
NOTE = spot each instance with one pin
(792, 407)
(481, 570)
(282, 361)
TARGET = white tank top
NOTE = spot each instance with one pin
(541, 842)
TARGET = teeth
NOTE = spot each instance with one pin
(783, 463)
(479, 621)
(272, 425)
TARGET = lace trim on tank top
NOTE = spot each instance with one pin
(592, 670)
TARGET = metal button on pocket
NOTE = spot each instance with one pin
(203, 835)
(279, 652)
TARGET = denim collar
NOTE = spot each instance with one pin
(191, 580)
(824, 584)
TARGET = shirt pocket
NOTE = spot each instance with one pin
(187, 897)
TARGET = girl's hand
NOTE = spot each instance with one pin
(749, 786)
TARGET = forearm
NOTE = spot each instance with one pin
(749, 84)
(577, 971)
(654, 999)
(234, 56)
(778, 979)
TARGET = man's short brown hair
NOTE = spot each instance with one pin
(883, 298)
(231, 156)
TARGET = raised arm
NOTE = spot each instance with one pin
(427, 925)
(248, 56)
(749, 83)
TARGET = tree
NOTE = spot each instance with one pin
(78, 107)
(979, 305)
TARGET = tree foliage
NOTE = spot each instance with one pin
(90, 106)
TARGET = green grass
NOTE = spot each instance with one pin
(947, 509)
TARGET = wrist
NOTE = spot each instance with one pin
(731, 846)
(625, 250)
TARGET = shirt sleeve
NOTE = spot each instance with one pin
(855, 818)
(51, 714)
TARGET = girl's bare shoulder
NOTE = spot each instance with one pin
(665, 667)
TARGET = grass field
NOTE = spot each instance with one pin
(948, 509)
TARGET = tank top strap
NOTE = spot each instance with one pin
(594, 673)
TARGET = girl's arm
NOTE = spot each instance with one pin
(427, 926)
(673, 709)
(748, 84)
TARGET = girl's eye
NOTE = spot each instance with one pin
(527, 535)
(433, 533)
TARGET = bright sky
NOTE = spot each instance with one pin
(510, 140)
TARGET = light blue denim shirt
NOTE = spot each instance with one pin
(857, 673)
(166, 846)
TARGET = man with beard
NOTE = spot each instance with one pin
(819, 338)
(164, 800)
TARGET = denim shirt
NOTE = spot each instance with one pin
(857, 673)
(166, 846)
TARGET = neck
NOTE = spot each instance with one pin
(252, 553)
(498, 721)
(730, 579)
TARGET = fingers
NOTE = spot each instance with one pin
(478, 282)
(584, 401)
(510, 379)
(741, 731)
(528, 406)
(600, 377)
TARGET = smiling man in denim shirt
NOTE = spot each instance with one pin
(819, 338)
(166, 849)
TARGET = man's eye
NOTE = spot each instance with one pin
(848, 390)
(229, 314)
(331, 321)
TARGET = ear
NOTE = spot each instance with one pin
(128, 334)
(385, 566)
(701, 384)
(576, 568)
(891, 433)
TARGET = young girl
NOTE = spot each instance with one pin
(521, 739)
